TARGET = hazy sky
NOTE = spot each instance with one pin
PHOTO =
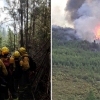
(58, 12)
(4, 14)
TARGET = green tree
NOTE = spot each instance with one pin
(10, 40)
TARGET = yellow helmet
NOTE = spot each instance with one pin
(16, 54)
(5, 50)
(22, 50)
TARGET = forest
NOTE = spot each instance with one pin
(76, 67)
(27, 23)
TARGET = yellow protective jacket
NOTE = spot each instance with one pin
(3, 68)
(25, 62)
(12, 61)
(9, 62)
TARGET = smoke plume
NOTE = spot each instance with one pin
(85, 15)
(72, 6)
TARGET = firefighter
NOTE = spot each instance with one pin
(25, 65)
(32, 64)
(18, 69)
(3, 83)
(25, 58)
(2, 66)
(27, 70)
(9, 78)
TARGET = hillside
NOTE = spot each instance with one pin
(76, 68)
(64, 34)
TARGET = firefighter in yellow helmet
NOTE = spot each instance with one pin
(2, 51)
(27, 69)
(3, 74)
(18, 69)
(2, 66)
(10, 66)
(25, 59)
(25, 74)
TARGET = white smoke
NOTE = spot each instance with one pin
(88, 19)
(58, 13)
